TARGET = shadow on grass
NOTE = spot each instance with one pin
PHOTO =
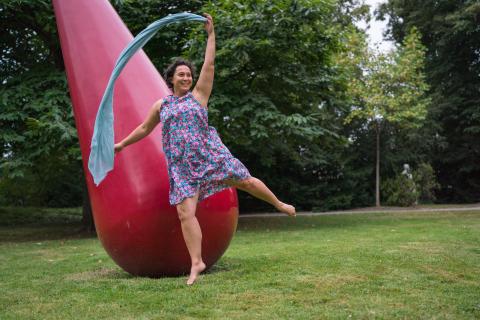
(224, 265)
(116, 273)
(100, 274)
(26, 233)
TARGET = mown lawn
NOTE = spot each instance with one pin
(362, 266)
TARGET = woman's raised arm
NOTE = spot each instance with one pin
(204, 85)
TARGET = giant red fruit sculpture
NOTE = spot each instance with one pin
(134, 221)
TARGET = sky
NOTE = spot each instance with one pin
(376, 29)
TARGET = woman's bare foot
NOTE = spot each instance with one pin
(194, 272)
(288, 209)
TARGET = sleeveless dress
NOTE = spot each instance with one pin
(197, 160)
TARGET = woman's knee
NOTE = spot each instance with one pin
(247, 184)
(185, 211)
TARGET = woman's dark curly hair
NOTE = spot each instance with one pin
(170, 71)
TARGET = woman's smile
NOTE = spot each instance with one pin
(182, 79)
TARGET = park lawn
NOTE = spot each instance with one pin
(380, 265)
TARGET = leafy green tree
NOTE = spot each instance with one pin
(168, 42)
(451, 36)
(279, 99)
(40, 163)
(41, 158)
(274, 100)
(389, 89)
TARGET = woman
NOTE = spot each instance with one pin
(199, 165)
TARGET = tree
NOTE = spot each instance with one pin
(451, 36)
(169, 42)
(274, 100)
(41, 161)
(389, 88)
(279, 99)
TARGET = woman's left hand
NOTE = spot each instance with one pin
(118, 147)
(208, 24)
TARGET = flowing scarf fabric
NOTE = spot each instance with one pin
(100, 161)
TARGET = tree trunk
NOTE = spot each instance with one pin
(87, 219)
(377, 168)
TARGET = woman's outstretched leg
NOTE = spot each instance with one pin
(259, 190)
(192, 235)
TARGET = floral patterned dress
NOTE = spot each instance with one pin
(197, 160)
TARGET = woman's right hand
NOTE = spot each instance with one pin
(208, 23)
(118, 147)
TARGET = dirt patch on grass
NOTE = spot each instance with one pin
(104, 273)
(448, 276)
(426, 247)
(330, 281)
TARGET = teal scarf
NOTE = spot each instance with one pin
(100, 161)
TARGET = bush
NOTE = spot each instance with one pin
(426, 182)
(400, 191)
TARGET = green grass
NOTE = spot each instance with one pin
(405, 266)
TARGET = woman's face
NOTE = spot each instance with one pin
(182, 79)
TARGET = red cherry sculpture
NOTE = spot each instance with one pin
(134, 221)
